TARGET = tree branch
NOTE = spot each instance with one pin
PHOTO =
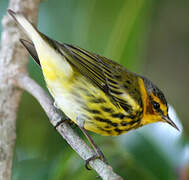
(13, 60)
(25, 82)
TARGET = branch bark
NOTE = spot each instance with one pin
(13, 60)
(13, 74)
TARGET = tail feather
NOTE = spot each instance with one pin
(42, 49)
(28, 27)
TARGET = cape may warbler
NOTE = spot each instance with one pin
(92, 90)
(96, 93)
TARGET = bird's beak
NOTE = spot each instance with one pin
(169, 121)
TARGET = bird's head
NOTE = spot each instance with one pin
(156, 106)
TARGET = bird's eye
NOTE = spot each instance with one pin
(156, 105)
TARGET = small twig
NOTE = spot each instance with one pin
(105, 171)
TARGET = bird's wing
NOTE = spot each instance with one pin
(123, 86)
(109, 76)
(31, 49)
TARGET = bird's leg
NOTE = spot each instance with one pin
(99, 154)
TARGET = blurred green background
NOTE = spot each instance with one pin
(148, 37)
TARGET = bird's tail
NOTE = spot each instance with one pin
(28, 27)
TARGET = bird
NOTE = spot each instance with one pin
(96, 93)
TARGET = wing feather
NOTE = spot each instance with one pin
(108, 75)
(31, 49)
(112, 78)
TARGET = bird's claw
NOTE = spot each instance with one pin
(87, 166)
(96, 156)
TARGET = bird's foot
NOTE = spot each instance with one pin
(96, 156)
